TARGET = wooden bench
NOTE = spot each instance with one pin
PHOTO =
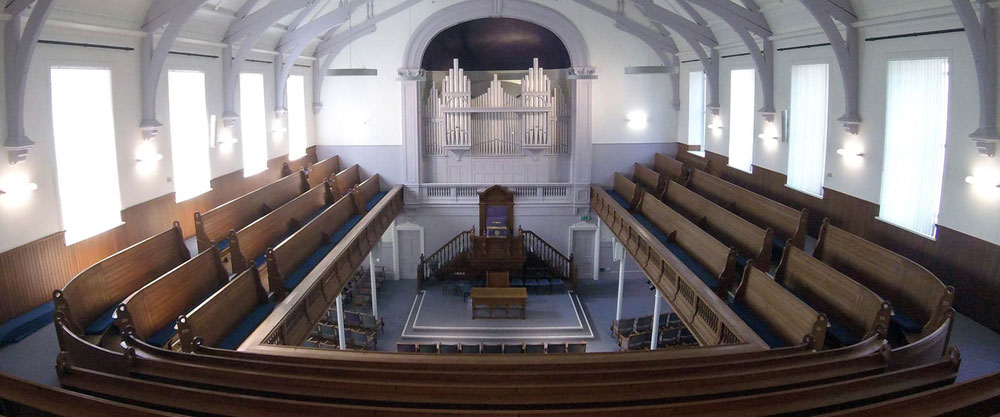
(303, 163)
(323, 170)
(88, 301)
(855, 312)
(672, 168)
(226, 318)
(21, 397)
(694, 162)
(293, 259)
(247, 246)
(650, 180)
(709, 259)
(151, 312)
(367, 194)
(778, 316)
(215, 224)
(345, 180)
(626, 192)
(787, 223)
(919, 299)
(753, 243)
(973, 398)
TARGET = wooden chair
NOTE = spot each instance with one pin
(753, 243)
(250, 243)
(577, 347)
(512, 348)
(227, 317)
(150, 314)
(448, 348)
(406, 347)
(673, 169)
(534, 348)
(215, 224)
(88, 301)
(778, 316)
(920, 300)
(787, 223)
(427, 348)
(855, 312)
(555, 348)
(492, 348)
(471, 348)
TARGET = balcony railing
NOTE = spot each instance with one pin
(547, 193)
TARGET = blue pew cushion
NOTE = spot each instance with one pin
(103, 322)
(300, 272)
(907, 323)
(621, 200)
(223, 244)
(759, 326)
(374, 200)
(247, 326)
(841, 336)
(22, 326)
(741, 261)
(160, 337)
(710, 280)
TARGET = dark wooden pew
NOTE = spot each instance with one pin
(787, 223)
(626, 192)
(855, 312)
(20, 397)
(694, 162)
(973, 398)
(709, 259)
(651, 181)
(323, 170)
(780, 318)
(345, 180)
(151, 312)
(367, 194)
(919, 299)
(753, 243)
(215, 224)
(88, 301)
(672, 168)
(303, 163)
(290, 261)
(249, 243)
(227, 317)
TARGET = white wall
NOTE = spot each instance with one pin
(39, 215)
(368, 110)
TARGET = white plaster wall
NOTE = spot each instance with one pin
(368, 110)
(39, 215)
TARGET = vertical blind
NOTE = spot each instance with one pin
(808, 128)
(915, 133)
(696, 108)
(296, 117)
(741, 118)
(253, 127)
(86, 156)
(189, 133)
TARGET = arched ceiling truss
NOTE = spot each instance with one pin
(828, 13)
(20, 38)
(981, 31)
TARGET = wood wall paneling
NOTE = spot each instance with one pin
(29, 273)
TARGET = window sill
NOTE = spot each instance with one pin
(748, 171)
(197, 194)
(932, 238)
(819, 196)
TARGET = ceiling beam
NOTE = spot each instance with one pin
(20, 39)
(981, 32)
(845, 48)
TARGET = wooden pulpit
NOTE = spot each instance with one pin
(499, 279)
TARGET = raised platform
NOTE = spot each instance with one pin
(549, 317)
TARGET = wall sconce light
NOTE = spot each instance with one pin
(982, 182)
(17, 156)
(278, 128)
(850, 153)
(637, 120)
(147, 154)
(19, 189)
(226, 136)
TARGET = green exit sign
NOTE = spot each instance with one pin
(585, 218)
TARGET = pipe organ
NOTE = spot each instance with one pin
(496, 123)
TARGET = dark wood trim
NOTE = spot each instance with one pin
(970, 264)
(30, 272)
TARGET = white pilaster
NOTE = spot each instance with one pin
(621, 279)
(656, 321)
(412, 81)
(583, 90)
(340, 322)
(597, 250)
(371, 270)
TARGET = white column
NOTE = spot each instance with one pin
(340, 322)
(582, 148)
(656, 321)
(597, 250)
(621, 281)
(371, 268)
(412, 88)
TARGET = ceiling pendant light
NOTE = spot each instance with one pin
(351, 71)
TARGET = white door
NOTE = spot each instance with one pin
(409, 253)
(583, 252)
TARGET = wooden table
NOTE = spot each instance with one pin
(499, 298)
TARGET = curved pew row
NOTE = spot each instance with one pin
(151, 313)
(88, 301)
(855, 312)
(367, 194)
(650, 180)
(753, 243)
(345, 180)
(673, 169)
(701, 309)
(226, 318)
(829, 396)
(973, 398)
(920, 300)
(787, 223)
(320, 264)
(215, 224)
(780, 318)
(249, 244)
(317, 173)
(20, 397)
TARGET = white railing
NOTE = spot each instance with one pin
(546, 193)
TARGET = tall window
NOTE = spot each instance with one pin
(808, 128)
(915, 132)
(741, 119)
(86, 157)
(253, 127)
(696, 108)
(296, 117)
(189, 133)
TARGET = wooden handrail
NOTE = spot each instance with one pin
(534, 244)
(458, 245)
